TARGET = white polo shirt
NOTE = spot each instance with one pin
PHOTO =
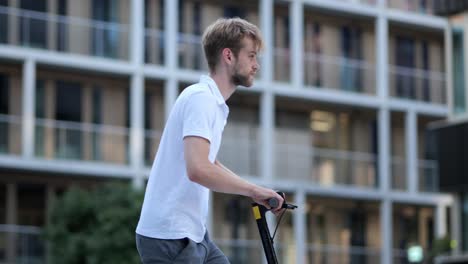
(175, 207)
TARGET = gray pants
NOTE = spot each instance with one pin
(185, 250)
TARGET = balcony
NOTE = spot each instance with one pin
(64, 33)
(21, 244)
(10, 134)
(421, 7)
(339, 73)
(191, 52)
(326, 167)
(417, 84)
(240, 148)
(63, 140)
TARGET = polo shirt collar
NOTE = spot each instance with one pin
(214, 88)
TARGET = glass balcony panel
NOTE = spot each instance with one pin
(417, 84)
(190, 52)
(326, 167)
(10, 134)
(428, 176)
(354, 75)
(398, 169)
(420, 6)
(239, 149)
(282, 59)
(65, 33)
(82, 141)
(154, 46)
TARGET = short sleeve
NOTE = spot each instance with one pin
(199, 115)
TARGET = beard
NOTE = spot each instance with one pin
(240, 79)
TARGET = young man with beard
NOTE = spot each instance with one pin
(173, 218)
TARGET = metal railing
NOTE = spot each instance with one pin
(326, 166)
(428, 175)
(10, 134)
(81, 141)
(416, 84)
(65, 33)
(21, 244)
(190, 52)
(338, 254)
(339, 73)
(422, 7)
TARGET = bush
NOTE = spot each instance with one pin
(96, 226)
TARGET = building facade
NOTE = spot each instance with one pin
(337, 118)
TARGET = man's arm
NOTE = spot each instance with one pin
(218, 178)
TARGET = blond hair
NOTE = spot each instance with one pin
(228, 33)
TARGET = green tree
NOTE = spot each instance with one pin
(95, 226)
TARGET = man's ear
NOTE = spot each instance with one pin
(227, 55)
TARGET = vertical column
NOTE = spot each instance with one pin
(11, 215)
(267, 123)
(384, 179)
(137, 92)
(382, 52)
(383, 132)
(266, 25)
(137, 128)
(441, 221)
(411, 151)
(300, 227)
(28, 107)
(297, 34)
(448, 48)
(170, 95)
(386, 228)
(137, 23)
(171, 30)
(455, 223)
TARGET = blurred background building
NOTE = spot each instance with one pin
(338, 117)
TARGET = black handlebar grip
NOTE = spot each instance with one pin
(273, 202)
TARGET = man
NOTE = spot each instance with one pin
(172, 222)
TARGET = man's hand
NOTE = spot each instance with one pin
(261, 196)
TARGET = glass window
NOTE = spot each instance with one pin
(4, 106)
(31, 204)
(62, 30)
(351, 50)
(405, 57)
(68, 108)
(232, 11)
(459, 96)
(105, 37)
(4, 94)
(3, 203)
(33, 30)
(3, 22)
(40, 113)
(425, 67)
